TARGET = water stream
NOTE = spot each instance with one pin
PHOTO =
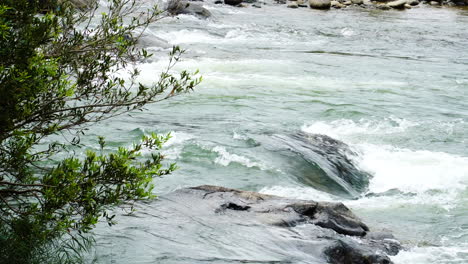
(392, 85)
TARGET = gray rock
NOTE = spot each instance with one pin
(322, 231)
(147, 41)
(293, 5)
(320, 4)
(398, 4)
(383, 7)
(233, 2)
(336, 4)
(412, 2)
(344, 252)
(357, 2)
(329, 163)
(176, 7)
(82, 3)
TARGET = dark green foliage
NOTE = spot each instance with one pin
(60, 72)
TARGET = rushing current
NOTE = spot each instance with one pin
(391, 85)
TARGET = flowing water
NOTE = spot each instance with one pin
(393, 85)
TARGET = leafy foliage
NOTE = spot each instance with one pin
(61, 72)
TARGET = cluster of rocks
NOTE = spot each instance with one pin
(379, 4)
(176, 7)
(327, 4)
(323, 231)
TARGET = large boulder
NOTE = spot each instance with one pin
(320, 4)
(177, 7)
(211, 223)
(398, 4)
(323, 162)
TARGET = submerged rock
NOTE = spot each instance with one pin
(176, 7)
(288, 229)
(324, 163)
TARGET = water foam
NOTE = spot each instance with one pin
(225, 158)
(342, 128)
(434, 177)
(302, 193)
(426, 255)
(174, 146)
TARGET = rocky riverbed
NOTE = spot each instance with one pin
(357, 106)
(177, 7)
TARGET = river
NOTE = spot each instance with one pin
(393, 85)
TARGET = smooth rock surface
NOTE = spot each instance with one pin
(187, 8)
(320, 4)
(329, 163)
(412, 2)
(336, 4)
(398, 4)
(300, 231)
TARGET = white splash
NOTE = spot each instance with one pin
(426, 255)
(342, 128)
(432, 177)
(225, 158)
(174, 146)
(303, 193)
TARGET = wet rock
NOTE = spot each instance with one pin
(385, 241)
(342, 252)
(323, 231)
(412, 2)
(434, 3)
(218, 2)
(82, 4)
(293, 5)
(357, 2)
(383, 7)
(147, 41)
(398, 4)
(325, 163)
(256, 6)
(233, 2)
(176, 7)
(320, 4)
(336, 4)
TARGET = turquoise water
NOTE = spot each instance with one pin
(392, 85)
